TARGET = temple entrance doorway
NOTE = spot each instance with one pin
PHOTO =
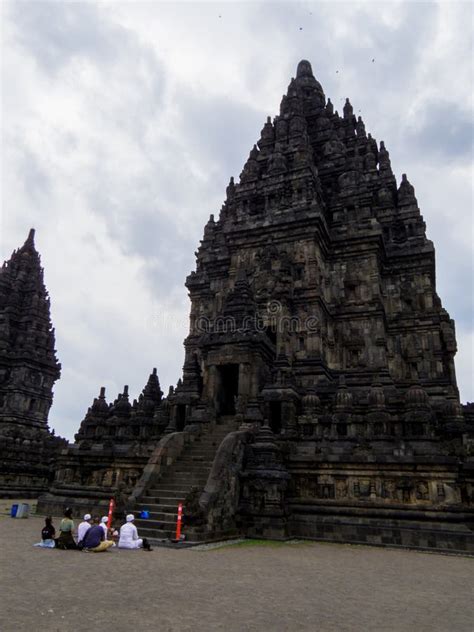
(180, 417)
(228, 388)
(275, 417)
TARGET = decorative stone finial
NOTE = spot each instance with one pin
(31, 238)
(360, 128)
(416, 397)
(376, 396)
(348, 109)
(304, 69)
(100, 405)
(230, 191)
(406, 192)
(384, 158)
(344, 398)
(311, 402)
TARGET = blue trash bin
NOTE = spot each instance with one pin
(13, 511)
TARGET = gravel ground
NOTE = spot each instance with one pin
(246, 586)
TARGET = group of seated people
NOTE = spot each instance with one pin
(93, 534)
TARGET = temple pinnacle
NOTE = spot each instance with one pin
(31, 238)
(304, 69)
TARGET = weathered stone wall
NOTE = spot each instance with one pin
(28, 370)
(316, 287)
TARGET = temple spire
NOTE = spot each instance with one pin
(152, 391)
(25, 299)
(30, 241)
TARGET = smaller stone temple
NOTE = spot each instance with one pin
(112, 447)
(28, 371)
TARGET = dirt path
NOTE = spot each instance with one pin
(293, 587)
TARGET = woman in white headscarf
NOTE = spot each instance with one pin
(129, 536)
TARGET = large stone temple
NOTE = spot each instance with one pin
(318, 396)
(28, 370)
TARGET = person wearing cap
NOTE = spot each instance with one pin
(129, 536)
(94, 539)
(83, 528)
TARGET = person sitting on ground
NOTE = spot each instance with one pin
(115, 536)
(103, 523)
(83, 528)
(66, 539)
(94, 539)
(47, 534)
(107, 532)
(129, 536)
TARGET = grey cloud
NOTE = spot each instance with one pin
(395, 47)
(32, 171)
(55, 32)
(144, 212)
(455, 277)
(447, 133)
(168, 256)
(220, 130)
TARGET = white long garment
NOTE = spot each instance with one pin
(82, 529)
(104, 527)
(129, 537)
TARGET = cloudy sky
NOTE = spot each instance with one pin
(122, 123)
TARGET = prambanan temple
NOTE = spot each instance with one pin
(318, 397)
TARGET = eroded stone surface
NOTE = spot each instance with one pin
(28, 371)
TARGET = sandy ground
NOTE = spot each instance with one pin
(317, 587)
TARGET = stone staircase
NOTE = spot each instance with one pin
(191, 469)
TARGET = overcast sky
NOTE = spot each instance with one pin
(122, 123)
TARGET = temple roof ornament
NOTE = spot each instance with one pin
(348, 109)
(406, 192)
